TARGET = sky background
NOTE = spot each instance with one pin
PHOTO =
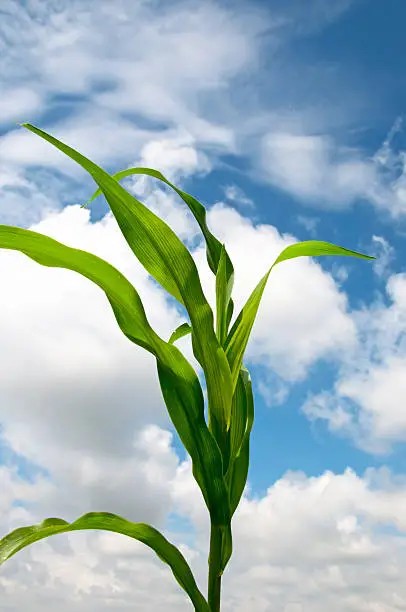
(286, 119)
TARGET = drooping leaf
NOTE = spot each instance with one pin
(182, 330)
(316, 248)
(239, 334)
(185, 402)
(167, 259)
(167, 552)
(213, 245)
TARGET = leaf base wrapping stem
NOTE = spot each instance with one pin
(214, 586)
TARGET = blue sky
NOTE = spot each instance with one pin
(287, 120)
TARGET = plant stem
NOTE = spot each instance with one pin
(214, 569)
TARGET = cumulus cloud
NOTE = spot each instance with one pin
(77, 367)
(308, 542)
(80, 405)
(367, 400)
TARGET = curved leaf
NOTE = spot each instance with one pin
(182, 330)
(167, 259)
(167, 552)
(185, 403)
(316, 248)
(213, 245)
(239, 334)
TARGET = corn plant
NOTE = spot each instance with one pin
(219, 448)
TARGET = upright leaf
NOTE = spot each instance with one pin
(167, 259)
(224, 286)
(184, 400)
(241, 426)
(105, 521)
(239, 334)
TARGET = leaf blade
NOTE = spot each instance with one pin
(236, 476)
(214, 246)
(238, 336)
(224, 286)
(183, 330)
(186, 405)
(105, 521)
(167, 259)
(316, 248)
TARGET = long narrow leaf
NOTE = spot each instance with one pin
(167, 552)
(213, 245)
(167, 259)
(224, 287)
(238, 418)
(239, 334)
(241, 426)
(186, 404)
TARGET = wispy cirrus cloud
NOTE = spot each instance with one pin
(324, 174)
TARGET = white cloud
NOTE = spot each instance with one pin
(87, 413)
(384, 253)
(77, 367)
(322, 173)
(85, 353)
(333, 541)
(318, 542)
(367, 400)
(128, 104)
(235, 194)
(309, 223)
(74, 353)
(105, 139)
(274, 392)
(66, 365)
(166, 84)
(313, 168)
(175, 155)
(175, 95)
(18, 101)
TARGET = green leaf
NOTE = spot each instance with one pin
(239, 334)
(316, 248)
(241, 426)
(167, 552)
(214, 248)
(184, 401)
(167, 259)
(224, 286)
(213, 245)
(182, 330)
(237, 476)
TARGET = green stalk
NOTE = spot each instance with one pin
(214, 590)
